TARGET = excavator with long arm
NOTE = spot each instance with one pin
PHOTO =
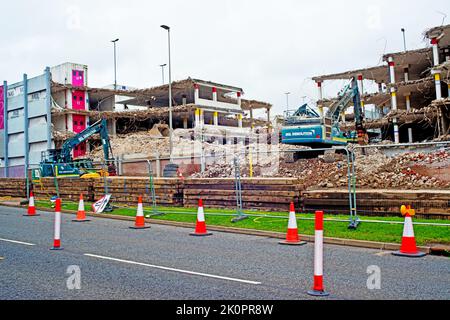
(59, 162)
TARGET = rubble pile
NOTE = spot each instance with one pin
(373, 170)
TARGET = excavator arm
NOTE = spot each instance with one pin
(98, 127)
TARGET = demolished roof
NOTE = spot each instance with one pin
(378, 73)
(442, 33)
(417, 61)
(254, 104)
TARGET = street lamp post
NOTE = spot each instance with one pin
(115, 64)
(404, 38)
(170, 94)
(162, 71)
(287, 102)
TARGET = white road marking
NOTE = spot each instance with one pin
(18, 242)
(173, 269)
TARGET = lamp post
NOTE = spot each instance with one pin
(287, 102)
(115, 64)
(162, 71)
(170, 94)
(404, 38)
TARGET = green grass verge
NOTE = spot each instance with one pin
(366, 231)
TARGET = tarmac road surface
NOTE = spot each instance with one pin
(115, 262)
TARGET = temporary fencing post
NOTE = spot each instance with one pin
(55, 179)
(238, 186)
(152, 190)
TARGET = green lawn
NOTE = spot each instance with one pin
(366, 231)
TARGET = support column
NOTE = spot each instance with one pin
(406, 73)
(214, 93)
(185, 123)
(268, 114)
(239, 116)
(408, 108)
(320, 97)
(394, 108)
(197, 118)
(393, 98)
(239, 99)
(434, 45)
(202, 118)
(361, 90)
(380, 87)
(5, 128)
(447, 54)
(114, 127)
(196, 93)
(216, 118)
(437, 83)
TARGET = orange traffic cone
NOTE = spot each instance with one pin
(408, 247)
(31, 208)
(200, 227)
(140, 220)
(81, 214)
(292, 237)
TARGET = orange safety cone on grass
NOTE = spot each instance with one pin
(408, 247)
(81, 213)
(140, 220)
(31, 208)
(200, 227)
(292, 237)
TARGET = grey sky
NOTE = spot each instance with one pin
(265, 47)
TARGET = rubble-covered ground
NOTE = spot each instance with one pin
(408, 170)
(412, 170)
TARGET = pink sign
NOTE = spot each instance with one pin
(2, 123)
(77, 78)
(78, 100)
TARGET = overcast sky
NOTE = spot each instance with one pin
(265, 47)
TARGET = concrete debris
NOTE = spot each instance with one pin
(377, 168)
(374, 170)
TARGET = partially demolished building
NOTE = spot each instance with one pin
(413, 91)
(40, 113)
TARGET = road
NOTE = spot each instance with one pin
(166, 263)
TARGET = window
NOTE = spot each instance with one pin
(75, 123)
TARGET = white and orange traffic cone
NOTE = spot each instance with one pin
(140, 219)
(292, 237)
(200, 227)
(31, 208)
(408, 247)
(81, 213)
(318, 289)
(57, 234)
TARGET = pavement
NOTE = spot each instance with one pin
(164, 262)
